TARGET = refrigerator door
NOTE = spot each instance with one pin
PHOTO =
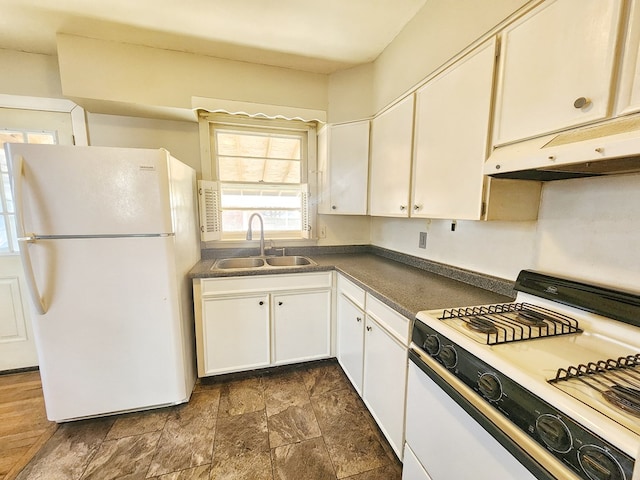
(112, 338)
(83, 191)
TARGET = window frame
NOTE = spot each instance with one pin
(210, 122)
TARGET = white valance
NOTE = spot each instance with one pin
(259, 110)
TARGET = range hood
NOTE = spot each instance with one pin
(605, 149)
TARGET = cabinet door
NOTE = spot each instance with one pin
(628, 100)
(448, 172)
(385, 379)
(391, 146)
(301, 325)
(350, 341)
(236, 333)
(349, 167)
(562, 52)
(324, 186)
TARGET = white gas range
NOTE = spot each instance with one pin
(545, 387)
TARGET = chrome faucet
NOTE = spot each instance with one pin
(250, 236)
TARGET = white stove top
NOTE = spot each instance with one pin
(533, 362)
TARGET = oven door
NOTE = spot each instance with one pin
(451, 435)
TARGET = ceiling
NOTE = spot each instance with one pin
(312, 35)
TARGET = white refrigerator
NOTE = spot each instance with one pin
(107, 236)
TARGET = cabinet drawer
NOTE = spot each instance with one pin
(351, 291)
(398, 325)
(271, 283)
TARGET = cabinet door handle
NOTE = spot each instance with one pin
(358, 319)
(279, 303)
(403, 207)
(416, 207)
(261, 302)
(369, 328)
(333, 207)
(582, 102)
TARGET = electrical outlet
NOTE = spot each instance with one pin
(423, 240)
(322, 231)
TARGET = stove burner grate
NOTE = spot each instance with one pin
(618, 381)
(512, 322)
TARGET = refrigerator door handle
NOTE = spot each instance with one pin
(23, 239)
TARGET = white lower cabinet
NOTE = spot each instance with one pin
(385, 379)
(243, 323)
(411, 467)
(301, 326)
(372, 350)
(350, 339)
(225, 324)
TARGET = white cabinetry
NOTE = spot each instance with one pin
(391, 147)
(225, 323)
(385, 369)
(348, 168)
(451, 136)
(244, 323)
(350, 330)
(301, 326)
(372, 349)
(556, 68)
(628, 100)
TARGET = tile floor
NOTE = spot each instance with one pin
(302, 423)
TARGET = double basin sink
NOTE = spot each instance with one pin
(261, 262)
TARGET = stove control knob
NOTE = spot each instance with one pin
(490, 386)
(449, 356)
(431, 345)
(554, 433)
(599, 464)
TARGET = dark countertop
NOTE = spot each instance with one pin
(405, 288)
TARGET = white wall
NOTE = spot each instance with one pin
(439, 31)
(590, 228)
(345, 230)
(180, 138)
(351, 94)
(29, 74)
(500, 249)
(139, 75)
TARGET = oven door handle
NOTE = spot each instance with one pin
(417, 357)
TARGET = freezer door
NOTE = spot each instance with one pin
(69, 190)
(113, 337)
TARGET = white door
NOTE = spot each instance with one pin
(447, 172)
(391, 145)
(17, 347)
(556, 68)
(301, 323)
(349, 167)
(350, 341)
(236, 333)
(94, 190)
(385, 376)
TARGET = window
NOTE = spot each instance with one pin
(261, 167)
(8, 240)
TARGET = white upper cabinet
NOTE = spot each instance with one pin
(391, 146)
(628, 100)
(556, 68)
(451, 136)
(348, 168)
(324, 187)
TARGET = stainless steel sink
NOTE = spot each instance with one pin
(289, 261)
(261, 262)
(242, 262)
